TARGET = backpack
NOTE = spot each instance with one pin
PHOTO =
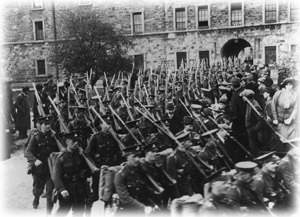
(106, 184)
(52, 160)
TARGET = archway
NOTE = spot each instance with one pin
(233, 47)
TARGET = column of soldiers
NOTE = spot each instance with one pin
(153, 137)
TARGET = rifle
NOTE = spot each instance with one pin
(171, 136)
(42, 113)
(128, 109)
(60, 118)
(205, 128)
(39, 101)
(232, 137)
(122, 122)
(110, 130)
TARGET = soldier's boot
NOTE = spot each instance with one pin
(35, 202)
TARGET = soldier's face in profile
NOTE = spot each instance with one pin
(150, 156)
(196, 112)
(170, 113)
(71, 145)
(132, 159)
(244, 176)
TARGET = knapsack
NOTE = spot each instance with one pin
(107, 176)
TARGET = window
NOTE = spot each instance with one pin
(139, 62)
(40, 67)
(270, 11)
(180, 19)
(39, 30)
(180, 58)
(85, 2)
(37, 4)
(293, 50)
(137, 22)
(203, 16)
(236, 14)
(204, 56)
(270, 55)
(294, 11)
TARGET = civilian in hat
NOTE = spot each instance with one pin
(22, 113)
(284, 108)
(70, 175)
(40, 146)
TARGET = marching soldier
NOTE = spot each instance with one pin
(40, 146)
(81, 125)
(70, 175)
(103, 150)
(132, 186)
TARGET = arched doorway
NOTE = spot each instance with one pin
(234, 47)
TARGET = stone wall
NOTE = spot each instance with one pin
(159, 42)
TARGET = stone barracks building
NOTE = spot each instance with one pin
(163, 32)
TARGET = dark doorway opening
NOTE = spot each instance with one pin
(233, 47)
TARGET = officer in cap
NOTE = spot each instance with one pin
(70, 177)
(39, 148)
(131, 185)
(249, 185)
(81, 124)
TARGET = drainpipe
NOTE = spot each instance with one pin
(55, 38)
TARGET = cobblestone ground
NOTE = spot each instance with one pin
(17, 191)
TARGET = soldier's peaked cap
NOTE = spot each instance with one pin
(187, 120)
(196, 105)
(131, 123)
(79, 107)
(246, 166)
(45, 119)
(170, 106)
(182, 135)
(70, 135)
(134, 149)
(264, 156)
(210, 132)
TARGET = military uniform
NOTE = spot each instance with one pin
(83, 128)
(103, 150)
(70, 174)
(40, 146)
(133, 189)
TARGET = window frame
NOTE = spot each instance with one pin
(290, 12)
(242, 11)
(187, 59)
(264, 12)
(276, 52)
(132, 22)
(34, 30)
(80, 3)
(139, 54)
(36, 8)
(36, 68)
(208, 55)
(174, 18)
(208, 16)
